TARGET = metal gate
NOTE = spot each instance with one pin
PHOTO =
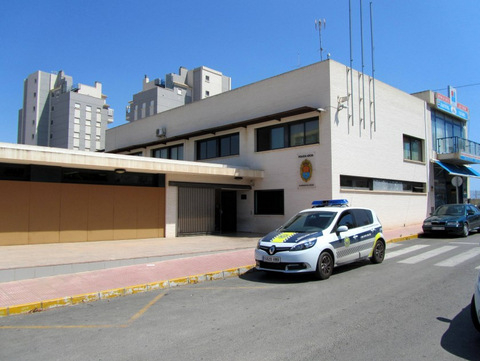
(196, 210)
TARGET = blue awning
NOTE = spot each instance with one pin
(457, 169)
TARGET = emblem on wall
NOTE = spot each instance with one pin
(306, 170)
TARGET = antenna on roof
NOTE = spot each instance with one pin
(318, 26)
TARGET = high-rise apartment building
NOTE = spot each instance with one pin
(58, 113)
(176, 90)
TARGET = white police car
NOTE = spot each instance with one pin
(475, 305)
(317, 239)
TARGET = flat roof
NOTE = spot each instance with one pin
(49, 156)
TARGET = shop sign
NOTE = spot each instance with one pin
(450, 105)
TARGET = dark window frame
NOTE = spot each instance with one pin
(367, 184)
(216, 147)
(169, 150)
(266, 140)
(409, 143)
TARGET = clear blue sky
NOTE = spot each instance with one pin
(419, 45)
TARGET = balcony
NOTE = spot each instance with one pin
(458, 150)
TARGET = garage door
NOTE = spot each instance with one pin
(196, 210)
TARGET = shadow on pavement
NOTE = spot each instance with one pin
(461, 339)
(284, 278)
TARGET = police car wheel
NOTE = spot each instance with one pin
(324, 266)
(378, 252)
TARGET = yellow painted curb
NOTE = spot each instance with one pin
(400, 239)
(152, 286)
(88, 297)
(136, 289)
(178, 281)
(56, 303)
(28, 307)
(118, 292)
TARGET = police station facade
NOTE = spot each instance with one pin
(248, 159)
(318, 132)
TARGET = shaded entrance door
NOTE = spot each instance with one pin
(228, 214)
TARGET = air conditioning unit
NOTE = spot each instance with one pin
(161, 132)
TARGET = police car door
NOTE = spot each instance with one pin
(346, 242)
(366, 231)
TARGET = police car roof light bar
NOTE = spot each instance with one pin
(330, 203)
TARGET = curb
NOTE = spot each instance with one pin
(404, 238)
(130, 290)
(123, 291)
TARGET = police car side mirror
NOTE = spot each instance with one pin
(342, 229)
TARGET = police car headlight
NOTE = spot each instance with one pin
(427, 223)
(304, 245)
(258, 243)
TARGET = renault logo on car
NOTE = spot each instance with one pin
(271, 250)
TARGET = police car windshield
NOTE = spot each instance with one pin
(309, 222)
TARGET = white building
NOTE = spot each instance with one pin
(374, 151)
(187, 86)
(58, 113)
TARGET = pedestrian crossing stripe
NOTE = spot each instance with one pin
(430, 254)
(460, 258)
(403, 251)
(450, 262)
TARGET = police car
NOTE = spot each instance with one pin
(322, 237)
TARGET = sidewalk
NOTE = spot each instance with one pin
(37, 277)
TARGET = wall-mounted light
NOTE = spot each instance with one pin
(321, 110)
(341, 102)
(120, 170)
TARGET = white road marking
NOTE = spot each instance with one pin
(405, 251)
(393, 245)
(427, 255)
(468, 243)
(460, 258)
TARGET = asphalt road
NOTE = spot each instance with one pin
(413, 306)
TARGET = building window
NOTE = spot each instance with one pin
(207, 93)
(412, 148)
(269, 202)
(207, 78)
(380, 185)
(287, 135)
(173, 152)
(218, 147)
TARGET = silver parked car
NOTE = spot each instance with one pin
(475, 305)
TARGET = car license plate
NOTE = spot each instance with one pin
(438, 228)
(271, 259)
